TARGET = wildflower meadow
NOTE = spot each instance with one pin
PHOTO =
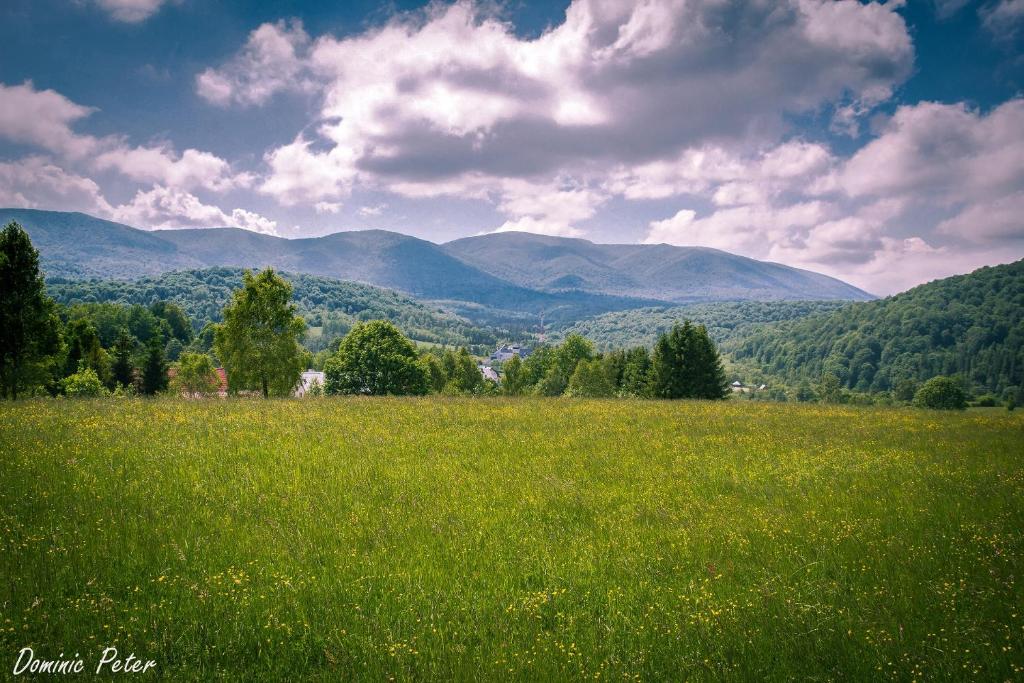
(514, 539)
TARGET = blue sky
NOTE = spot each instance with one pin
(879, 143)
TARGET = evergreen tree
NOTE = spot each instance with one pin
(708, 371)
(29, 326)
(122, 371)
(154, 370)
(673, 373)
(258, 342)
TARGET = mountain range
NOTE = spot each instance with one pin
(507, 273)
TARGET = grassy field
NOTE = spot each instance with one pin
(524, 540)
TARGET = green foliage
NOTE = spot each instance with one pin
(154, 369)
(970, 325)
(29, 327)
(686, 364)
(83, 384)
(122, 370)
(563, 363)
(258, 342)
(590, 380)
(941, 393)
(726, 321)
(513, 379)
(195, 375)
(330, 307)
(375, 359)
(636, 373)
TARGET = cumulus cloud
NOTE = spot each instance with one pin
(271, 61)
(37, 183)
(799, 204)
(43, 118)
(193, 168)
(450, 100)
(165, 207)
(130, 11)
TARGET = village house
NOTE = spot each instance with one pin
(488, 372)
(309, 378)
(505, 352)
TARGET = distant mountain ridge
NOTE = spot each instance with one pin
(654, 271)
(511, 274)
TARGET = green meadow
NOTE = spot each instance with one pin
(502, 539)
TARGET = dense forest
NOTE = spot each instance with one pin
(971, 326)
(330, 307)
(725, 321)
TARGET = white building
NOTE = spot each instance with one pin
(309, 378)
(488, 372)
(503, 353)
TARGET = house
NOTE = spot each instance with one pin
(308, 379)
(505, 352)
(488, 372)
(738, 387)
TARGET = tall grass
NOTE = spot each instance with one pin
(514, 539)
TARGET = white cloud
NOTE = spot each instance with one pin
(269, 62)
(375, 210)
(327, 207)
(450, 100)
(165, 207)
(131, 11)
(193, 168)
(1003, 19)
(43, 118)
(37, 183)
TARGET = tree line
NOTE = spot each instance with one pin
(95, 348)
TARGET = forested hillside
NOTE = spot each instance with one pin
(330, 306)
(725, 321)
(969, 325)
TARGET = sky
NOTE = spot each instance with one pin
(881, 143)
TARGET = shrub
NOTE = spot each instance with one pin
(941, 393)
(84, 383)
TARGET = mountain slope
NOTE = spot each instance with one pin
(504, 279)
(75, 245)
(326, 303)
(971, 325)
(658, 271)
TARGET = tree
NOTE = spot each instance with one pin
(84, 346)
(29, 326)
(466, 378)
(122, 371)
(82, 384)
(636, 373)
(941, 393)
(195, 375)
(830, 389)
(590, 380)
(563, 363)
(905, 390)
(375, 359)
(708, 371)
(436, 376)
(178, 324)
(513, 380)
(804, 393)
(258, 342)
(154, 369)
(672, 370)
